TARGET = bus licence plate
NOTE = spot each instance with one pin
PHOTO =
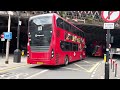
(39, 62)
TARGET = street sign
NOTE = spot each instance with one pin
(110, 16)
(7, 35)
(108, 26)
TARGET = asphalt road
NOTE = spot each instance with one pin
(82, 69)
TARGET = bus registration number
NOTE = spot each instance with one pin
(40, 63)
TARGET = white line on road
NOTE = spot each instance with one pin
(93, 72)
(86, 61)
(92, 76)
(71, 69)
(17, 75)
(36, 74)
(20, 74)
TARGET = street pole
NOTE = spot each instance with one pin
(18, 30)
(107, 55)
(3, 50)
(8, 41)
(17, 52)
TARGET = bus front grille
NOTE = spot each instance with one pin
(39, 48)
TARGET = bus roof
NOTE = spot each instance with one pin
(68, 22)
(51, 14)
(48, 14)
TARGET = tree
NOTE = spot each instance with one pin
(62, 13)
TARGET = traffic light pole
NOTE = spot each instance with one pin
(107, 55)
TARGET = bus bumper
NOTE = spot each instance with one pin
(41, 62)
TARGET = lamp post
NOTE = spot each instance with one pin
(17, 52)
(8, 41)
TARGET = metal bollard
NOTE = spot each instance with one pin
(104, 57)
(113, 65)
(115, 69)
(23, 52)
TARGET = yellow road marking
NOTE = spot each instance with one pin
(12, 68)
(90, 69)
(81, 67)
(94, 67)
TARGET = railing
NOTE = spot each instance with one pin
(90, 17)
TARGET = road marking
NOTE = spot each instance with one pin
(36, 74)
(93, 72)
(3, 75)
(86, 65)
(94, 67)
(86, 61)
(97, 66)
(14, 75)
(90, 69)
(12, 68)
(92, 63)
(81, 67)
(71, 69)
(92, 76)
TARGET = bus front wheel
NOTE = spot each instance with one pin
(66, 60)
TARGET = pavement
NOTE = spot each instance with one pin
(11, 64)
(115, 74)
(99, 72)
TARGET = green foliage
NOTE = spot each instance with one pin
(62, 14)
(89, 19)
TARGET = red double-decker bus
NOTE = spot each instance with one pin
(52, 40)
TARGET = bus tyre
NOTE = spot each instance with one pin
(66, 61)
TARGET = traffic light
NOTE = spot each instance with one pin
(2, 36)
